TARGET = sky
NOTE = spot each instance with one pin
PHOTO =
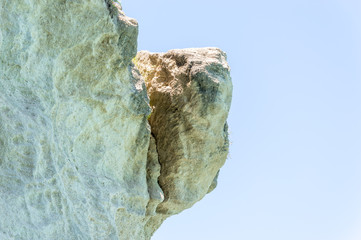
(294, 167)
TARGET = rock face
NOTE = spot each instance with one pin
(190, 94)
(88, 149)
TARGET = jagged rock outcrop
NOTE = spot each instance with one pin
(190, 94)
(78, 158)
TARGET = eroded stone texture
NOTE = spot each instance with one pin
(190, 94)
(77, 157)
(73, 112)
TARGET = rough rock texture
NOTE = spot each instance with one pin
(78, 158)
(190, 94)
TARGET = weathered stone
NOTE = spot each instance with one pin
(77, 157)
(190, 94)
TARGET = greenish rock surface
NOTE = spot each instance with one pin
(90, 149)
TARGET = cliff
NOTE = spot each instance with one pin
(97, 141)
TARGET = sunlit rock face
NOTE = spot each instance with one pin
(85, 151)
(190, 94)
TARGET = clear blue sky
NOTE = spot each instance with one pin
(294, 171)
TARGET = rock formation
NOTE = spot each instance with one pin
(90, 149)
